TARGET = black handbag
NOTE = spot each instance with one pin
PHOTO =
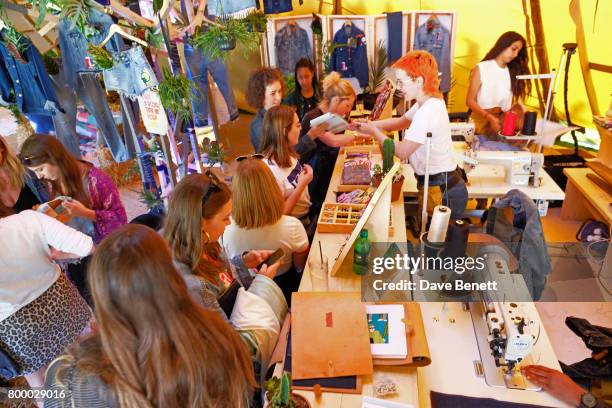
(227, 299)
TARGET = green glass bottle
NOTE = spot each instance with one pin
(361, 253)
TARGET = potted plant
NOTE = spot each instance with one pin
(175, 93)
(216, 39)
(256, 21)
(376, 77)
(214, 152)
(279, 395)
(388, 151)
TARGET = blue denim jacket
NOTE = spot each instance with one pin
(277, 6)
(291, 44)
(350, 61)
(73, 44)
(27, 85)
(222, 7)
(437, 43)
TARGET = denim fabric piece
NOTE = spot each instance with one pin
(291, 43)
(131, 74)
(73, 44)
(437, 43)
(395, 22)
(198, 67)
(61, 121)
(223, 7)
(27, 85)
(350, 61)
(277, 6)
(526, 243)
(256, 128)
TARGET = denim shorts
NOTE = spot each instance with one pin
(131, 74)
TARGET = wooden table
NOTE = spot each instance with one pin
(584, 198)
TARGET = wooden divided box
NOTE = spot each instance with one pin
(340, 218)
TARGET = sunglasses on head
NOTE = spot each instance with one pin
(257, 156)
(213, 185)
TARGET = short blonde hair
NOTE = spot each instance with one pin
(274, 143)
(334, 85)
(258, 200)
(12, 165)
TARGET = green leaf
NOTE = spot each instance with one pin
(377, 67)
(211, 40)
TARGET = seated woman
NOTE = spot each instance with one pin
(19, 190)
(199, 210)
(305, 96)
(417, 79)
(319, 147)
(258, 222)
(94, 208)
(154, 346)
(280, 134)
(264, 90)
(494, 87)
(41, 312)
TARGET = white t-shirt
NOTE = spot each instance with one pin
(287, 179)
(431, 117)
(495, 88)
(26, 271)
(287, 233)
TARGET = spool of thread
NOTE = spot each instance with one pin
(510, 118)
(439, 224)
(529, 123)
(456, 239)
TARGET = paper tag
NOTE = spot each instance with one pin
(153, 113)
(542, 207)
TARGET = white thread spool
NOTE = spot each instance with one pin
(439, 224)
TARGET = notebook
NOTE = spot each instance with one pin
(387, 331)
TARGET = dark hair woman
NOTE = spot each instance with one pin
(305, 96)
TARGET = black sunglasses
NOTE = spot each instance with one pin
(257, 156)
(213, 185)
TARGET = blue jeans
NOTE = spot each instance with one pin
(198, 66)
(131, 73)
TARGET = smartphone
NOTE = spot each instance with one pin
(272, 259)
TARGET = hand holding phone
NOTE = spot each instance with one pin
(272, 259)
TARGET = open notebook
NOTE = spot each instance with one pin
(387, 331)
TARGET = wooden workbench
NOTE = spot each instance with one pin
(584, 198)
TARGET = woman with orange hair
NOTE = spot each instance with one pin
(417, 79)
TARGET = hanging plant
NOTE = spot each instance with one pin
(216, 39)
(175, 93)
(256, 21)
(101, 57)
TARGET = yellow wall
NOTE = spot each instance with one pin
(480, 22)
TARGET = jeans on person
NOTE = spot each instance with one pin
(198, 67)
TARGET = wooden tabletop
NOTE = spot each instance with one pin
(596, 196)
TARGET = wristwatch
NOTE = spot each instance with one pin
(587, 400)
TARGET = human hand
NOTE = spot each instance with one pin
(306, 175)
(75, 208)
(494, 122)
(555, 383)
(365, 128)
(270, 270)
(318, 131)
(254, 257)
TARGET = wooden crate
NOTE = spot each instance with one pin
(345, 156)
(340, 218)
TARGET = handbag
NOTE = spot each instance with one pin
(227, 298)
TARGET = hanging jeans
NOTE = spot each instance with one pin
(65, 128)
(198, 67)
(89, 90)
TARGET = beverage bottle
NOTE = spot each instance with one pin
(361, 253)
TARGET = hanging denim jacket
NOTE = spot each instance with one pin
(73, 44)
(291, 43)
(350, 60)
(436, 42)
(27, 85)
(525, 238)
(224, 7)
(277, 6)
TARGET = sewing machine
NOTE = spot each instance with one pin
(462, 130)
(522, 168)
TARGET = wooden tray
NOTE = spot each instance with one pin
(341, 218)
(347, 152)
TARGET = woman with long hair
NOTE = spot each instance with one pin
(258, 222)
(264, 90)
(19, 189)
(281, 131)
(494, 88)
(94, 206)
(417, 79)
(154, 346)
(198, 213)
(41, 312)
(306, 95)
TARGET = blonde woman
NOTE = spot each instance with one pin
(281, 131)
(198, 213)
(258, 222)
(319, 147)
(19, 190)
(154, 345)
